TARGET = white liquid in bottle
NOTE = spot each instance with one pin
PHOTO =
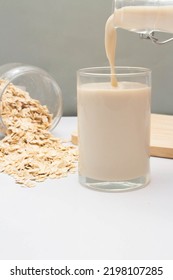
(145, 18)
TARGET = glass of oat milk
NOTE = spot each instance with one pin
(114, 128)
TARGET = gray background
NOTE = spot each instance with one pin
(62, 36)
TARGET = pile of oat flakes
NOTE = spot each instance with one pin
(29, 152)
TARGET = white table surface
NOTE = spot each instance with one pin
(60, 219)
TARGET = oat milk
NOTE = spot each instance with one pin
(145, 18)
(113, 124)
(114, 131)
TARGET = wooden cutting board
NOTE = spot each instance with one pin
(161, 136)
(161, 142)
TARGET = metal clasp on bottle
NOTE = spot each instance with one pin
(151, 36)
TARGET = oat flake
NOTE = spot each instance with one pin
(29, 152)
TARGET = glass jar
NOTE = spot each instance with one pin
(144, 16)
(38, 83)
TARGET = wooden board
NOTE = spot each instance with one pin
(161, 142)
(161, 136)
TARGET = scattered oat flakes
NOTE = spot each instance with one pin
(29, 152)
(74, 137)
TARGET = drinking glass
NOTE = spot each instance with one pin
(114, 128)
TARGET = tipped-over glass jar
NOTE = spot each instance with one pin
(38, 83)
